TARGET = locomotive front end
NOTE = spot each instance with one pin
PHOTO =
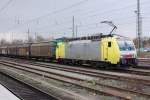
(128, 52)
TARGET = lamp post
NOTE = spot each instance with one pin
(139, 26)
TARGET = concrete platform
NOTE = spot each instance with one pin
(5, 94)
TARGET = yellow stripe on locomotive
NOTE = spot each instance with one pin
(110, 50)
(60, 50)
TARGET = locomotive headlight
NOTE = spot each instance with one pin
(121, 56)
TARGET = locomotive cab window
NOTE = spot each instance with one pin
(109, 44)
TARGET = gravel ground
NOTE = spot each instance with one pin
(126, 85)
(133, 86)
(85, 93)
(68, 87)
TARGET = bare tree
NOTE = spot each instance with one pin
(29, 40)
(17, 42)
(40, 39)
(3, 42)
(146, 42)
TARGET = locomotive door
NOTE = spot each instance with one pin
(106, 47)
(104, 51)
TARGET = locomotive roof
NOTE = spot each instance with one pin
(94, 37)
(97, 37)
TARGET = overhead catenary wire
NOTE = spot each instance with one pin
(54, 12)
(57, 11)
(92, 25)
(5, 6)
(63, 23)
(76, 17)
(60, 25)
(109, 11)
(85, 27)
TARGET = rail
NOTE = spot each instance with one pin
(79, 71)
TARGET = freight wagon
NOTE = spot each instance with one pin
(23, 50)
(12, 50)
(3, 50)
(43, 50)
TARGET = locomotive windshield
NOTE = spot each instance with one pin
(126, 45)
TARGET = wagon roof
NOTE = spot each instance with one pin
(40, 42)
(3, 46)
(43, 43)
(12, 46)
(23, 45)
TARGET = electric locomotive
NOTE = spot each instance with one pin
(97, 50)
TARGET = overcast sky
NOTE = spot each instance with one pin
(53, 18)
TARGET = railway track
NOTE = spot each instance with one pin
(135, 71)
(98, 73)
(138, 70)
(144, 63)
(70, 80)
(22, 90)
(144, 60)
(93, 74)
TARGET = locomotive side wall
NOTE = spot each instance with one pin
(85, 50)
